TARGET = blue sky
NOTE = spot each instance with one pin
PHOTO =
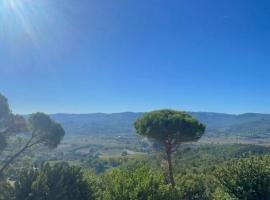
(134, 55)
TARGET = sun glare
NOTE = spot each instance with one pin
(12, 3)
(16, 18)
(34, 19)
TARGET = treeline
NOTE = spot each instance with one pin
(242, 178)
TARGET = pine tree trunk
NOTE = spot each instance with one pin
(169, 160)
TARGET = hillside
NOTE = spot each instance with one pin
(98, 123)
(250, 124)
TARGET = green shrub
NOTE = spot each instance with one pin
(196, 186)
(138, 183)
(58, 182)
(246, 178)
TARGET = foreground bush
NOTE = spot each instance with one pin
(196, 186)
(138, 183)
(58, 182)
(247, 178)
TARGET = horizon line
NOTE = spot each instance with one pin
(121, 112)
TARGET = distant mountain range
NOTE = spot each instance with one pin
(248, 124)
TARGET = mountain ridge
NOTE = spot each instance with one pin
(122, 123)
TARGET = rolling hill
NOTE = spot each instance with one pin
(249, 124)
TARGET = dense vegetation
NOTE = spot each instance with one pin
(234, 172)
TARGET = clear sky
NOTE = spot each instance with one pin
(82, 56)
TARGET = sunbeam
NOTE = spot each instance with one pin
(17, 18)
(36, 20)
(21, 12)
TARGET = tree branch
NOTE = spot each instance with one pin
(12, 158)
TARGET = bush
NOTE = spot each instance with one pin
(221, 194)
(196, 186)
(247, 178)
(6, 192)
(138, 183)
(95, 184)
(58, 182)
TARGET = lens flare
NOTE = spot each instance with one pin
(16, 18)
(36, 20)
